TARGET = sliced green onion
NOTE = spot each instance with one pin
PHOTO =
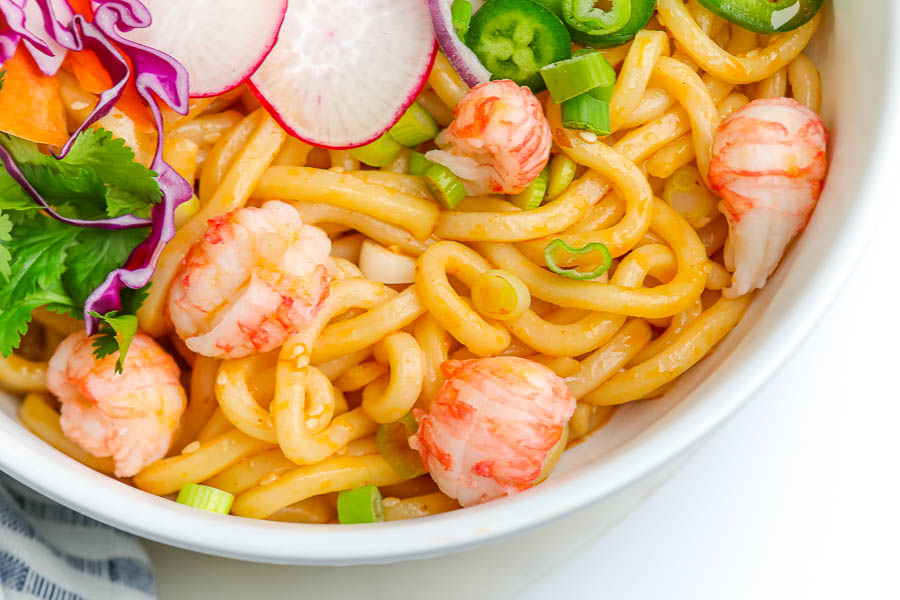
(498, 294)
(558, 244)
(580, 74)
(562, 174)
(603, 92)
(360, 505)
(461, 15)
(685, 192)
(532, 196)
(379, 153)
(415, 126)
(418, 164)
(392, 440)
(205, 498)
(587, 113)
(445, 187)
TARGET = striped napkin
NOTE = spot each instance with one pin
(50, 552)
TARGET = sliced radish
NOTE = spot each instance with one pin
(344, 71)
(220, 42)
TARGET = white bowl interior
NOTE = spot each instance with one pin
(858, 59)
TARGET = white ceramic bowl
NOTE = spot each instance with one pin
(857, 50)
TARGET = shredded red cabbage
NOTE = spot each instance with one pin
(156, 74)
(14, 13)
(35, 20)
(464, 61)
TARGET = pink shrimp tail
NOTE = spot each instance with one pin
(257, 276)
(499, 140)
(769, 164)
(131, 416)
(492, 426)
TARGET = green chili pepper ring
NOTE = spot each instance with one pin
(558, 244)
(582, 16)
(641, 12)
(765, 16)
(513, 39)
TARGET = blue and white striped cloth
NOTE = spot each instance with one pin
(50, 552)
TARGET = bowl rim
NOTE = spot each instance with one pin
(68, 482)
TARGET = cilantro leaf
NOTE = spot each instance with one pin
(98, 176)
(21, 149)
(12, 195)
(14, 318)
(14, 199)
(116, 334)
(38, 251)
(5, 257)
(132, 186)
(78, 194)
(118, 328)
(133, 299)
(44, 262)
(95, 254)
(121, 202)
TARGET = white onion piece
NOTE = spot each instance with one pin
(377, 263)
(348, 247)
(464, 61)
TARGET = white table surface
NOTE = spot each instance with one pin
(797, 497)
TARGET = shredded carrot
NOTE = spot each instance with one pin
(85, 65)
(93, 78)
(30, 103)
(82, 7)
(88, 70)
(134, 106)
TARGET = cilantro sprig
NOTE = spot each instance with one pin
(45, 262)
(117, 328)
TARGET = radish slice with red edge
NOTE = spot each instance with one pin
(344, 71)
(220, 42)
(464, 61)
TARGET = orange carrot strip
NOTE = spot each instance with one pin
(82, 7)
(85, 65)
(88, 70)
(93, 78)
(30, 103)
(134, 106)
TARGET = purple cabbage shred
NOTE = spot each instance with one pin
(156, 76)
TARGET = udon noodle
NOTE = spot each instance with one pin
(285, 430)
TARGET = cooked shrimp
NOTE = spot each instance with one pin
(132, 415)
(499, 140)
(769, 166)
(496, 425)
(256, 277)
